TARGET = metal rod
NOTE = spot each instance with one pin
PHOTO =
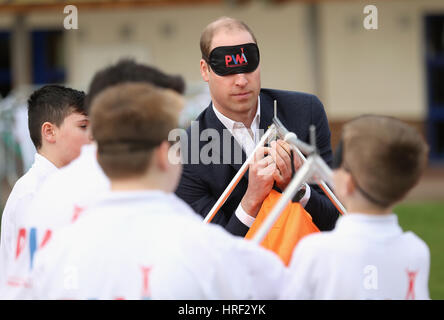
(332, 197)
(292, 138)
(220, 202)
(297, 145)
(325, 188)
(313, 136)
(275, 109)
(308, 149)
(326, 172)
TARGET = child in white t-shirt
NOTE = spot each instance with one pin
(367, 255)
(58, 123)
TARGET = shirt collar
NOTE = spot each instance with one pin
(231, 124)
(89, 148)
(44, 164)
(141, 197)
(375, 226)
(135, 195)
(88, 151)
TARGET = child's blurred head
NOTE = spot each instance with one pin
(131, 123)
(379, 159)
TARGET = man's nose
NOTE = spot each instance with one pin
(241, 79)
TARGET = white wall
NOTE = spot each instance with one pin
(378, 71)
(169, 38)
(373, 70)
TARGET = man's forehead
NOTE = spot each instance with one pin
(230, 37)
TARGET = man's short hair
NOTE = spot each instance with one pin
(52, 103)
(385, 156)
(128, 122)
(226, 23)
(128, 70)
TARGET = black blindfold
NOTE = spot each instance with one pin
(228, 60)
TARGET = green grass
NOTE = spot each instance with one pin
(426, 219)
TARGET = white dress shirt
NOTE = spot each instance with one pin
(150, 244)
(17, 206)
(248, 139)
(364, 257)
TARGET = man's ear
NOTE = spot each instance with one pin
(204, 70)
(48, 132)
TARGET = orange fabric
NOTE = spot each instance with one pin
(293, 224)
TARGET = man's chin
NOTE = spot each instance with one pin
(246, 104)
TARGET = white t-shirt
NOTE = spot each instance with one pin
(16, 209)
(67, 193)
(364, 257)
(150, 244)
(60, 200)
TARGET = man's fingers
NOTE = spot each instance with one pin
(268, 170)
(297, 161)
(262, 163)
(282, 158)
(277, 176)
(261, 153)
(285, 146)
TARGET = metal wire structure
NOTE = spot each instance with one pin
(12, 165)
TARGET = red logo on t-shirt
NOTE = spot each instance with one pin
(77, 212)
(411, 290)
(145, 281)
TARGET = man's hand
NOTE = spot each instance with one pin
(260, 181)
(280, 151)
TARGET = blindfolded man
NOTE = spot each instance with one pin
(230, 65)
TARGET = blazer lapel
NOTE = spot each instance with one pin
(266, 120)
(235, 148)
(266, 112)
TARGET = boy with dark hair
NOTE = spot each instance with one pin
(367, 255)
(58, 123)
(134, 216)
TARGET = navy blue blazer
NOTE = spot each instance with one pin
(202, 184)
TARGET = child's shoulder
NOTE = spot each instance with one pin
(414, 243)
(318, 240)
(25, 185)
